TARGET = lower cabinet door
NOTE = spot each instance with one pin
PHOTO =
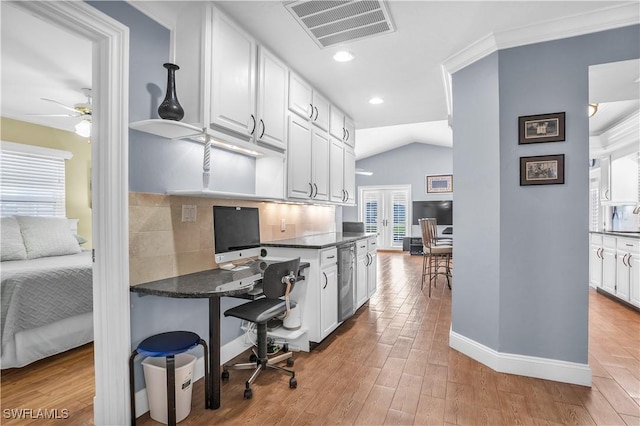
(328, 300)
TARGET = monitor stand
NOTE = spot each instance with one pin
(227, 266)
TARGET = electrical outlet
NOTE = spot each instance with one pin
(189, 213)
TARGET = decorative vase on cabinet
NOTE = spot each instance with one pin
(170, 108)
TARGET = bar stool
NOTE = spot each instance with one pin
(168, 345)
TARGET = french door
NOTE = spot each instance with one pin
(385, 211)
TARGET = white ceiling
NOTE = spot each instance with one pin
(41, 61)
(404, 68)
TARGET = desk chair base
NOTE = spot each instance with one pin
(260, 361)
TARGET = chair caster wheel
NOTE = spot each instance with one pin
(248, 394)
(290, 362)
(225, 376)
(253, 358)
(293, 383)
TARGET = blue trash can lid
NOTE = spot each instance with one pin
(169, 343)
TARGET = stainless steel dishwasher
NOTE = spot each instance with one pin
(346, 281)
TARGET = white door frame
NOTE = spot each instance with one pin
(407, 187)
(110, 196)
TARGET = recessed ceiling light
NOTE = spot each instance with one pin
(375, 100)
(343, 56)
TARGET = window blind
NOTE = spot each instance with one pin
(32, 181)
(399, 200)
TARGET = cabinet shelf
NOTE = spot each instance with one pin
(207, 193)
(168, 129)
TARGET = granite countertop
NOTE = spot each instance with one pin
(319, 241)
(210, 283)
(634, 235)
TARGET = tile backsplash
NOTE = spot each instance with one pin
(162, 246)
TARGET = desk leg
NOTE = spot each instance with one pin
(214, 350)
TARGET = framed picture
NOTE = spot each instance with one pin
(541, 128)
(542, 170)
(439, 183)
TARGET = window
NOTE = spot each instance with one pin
(32, 180)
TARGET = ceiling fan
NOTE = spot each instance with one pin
(82, 110)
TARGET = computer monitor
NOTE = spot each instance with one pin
(236, 233)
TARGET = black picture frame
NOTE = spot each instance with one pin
(542, 170)
(541, 128)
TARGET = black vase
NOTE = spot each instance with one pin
(170, 108)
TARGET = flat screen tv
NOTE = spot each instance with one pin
(441, 210)
(236, 233)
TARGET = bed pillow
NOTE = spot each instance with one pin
(11, 243)
(47, 236)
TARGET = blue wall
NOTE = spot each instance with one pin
(405, 165)
(541, 287)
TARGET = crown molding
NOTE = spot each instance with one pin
(586, 23)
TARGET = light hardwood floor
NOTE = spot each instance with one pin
(389, 364)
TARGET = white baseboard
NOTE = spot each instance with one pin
(530, 366)
(227, 352)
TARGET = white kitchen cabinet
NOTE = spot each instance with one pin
(350, 132)
(372, 265)
(362, 261)
(308, 102)
(272, 100)
(634, 276)
(336, 123)
(605, 189)
(307, 160)
(336, 171)
(624, 177)
(595, 261)
(300, 96)
(319, 164)
(328, 297)
(342, 127)
(233, 77)
(609, 248)
(349, 175)
(628, 251)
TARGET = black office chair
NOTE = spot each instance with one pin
(277, 282)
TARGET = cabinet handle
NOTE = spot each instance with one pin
(348, 135)
(606, 194)
(331, 257)
(344, 196)
(316, 108)
(254, 124)
(599, 253)
(311, 115)
(344, 134)
(316, 187)
(629, 261)
(326, 281)
(624, 260)
(347, 196)
(263, 129)
(311, 190)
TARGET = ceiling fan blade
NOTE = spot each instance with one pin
(53, 115)
(61, 104)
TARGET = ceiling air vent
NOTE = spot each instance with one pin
(330, 22)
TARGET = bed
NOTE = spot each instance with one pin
(47, 290)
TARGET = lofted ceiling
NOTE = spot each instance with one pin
(404, 67)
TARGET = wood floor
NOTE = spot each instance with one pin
(389, 364)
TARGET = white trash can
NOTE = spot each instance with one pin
(155, 376)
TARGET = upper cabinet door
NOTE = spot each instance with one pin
(299, 158)
(233, 77)
(272, 100)
(336, 123)
(300, 96)
(320, 111)
(349, 176)
(349, 132)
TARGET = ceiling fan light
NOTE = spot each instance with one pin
(376, 100)
(83, 128)
(592, 109)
